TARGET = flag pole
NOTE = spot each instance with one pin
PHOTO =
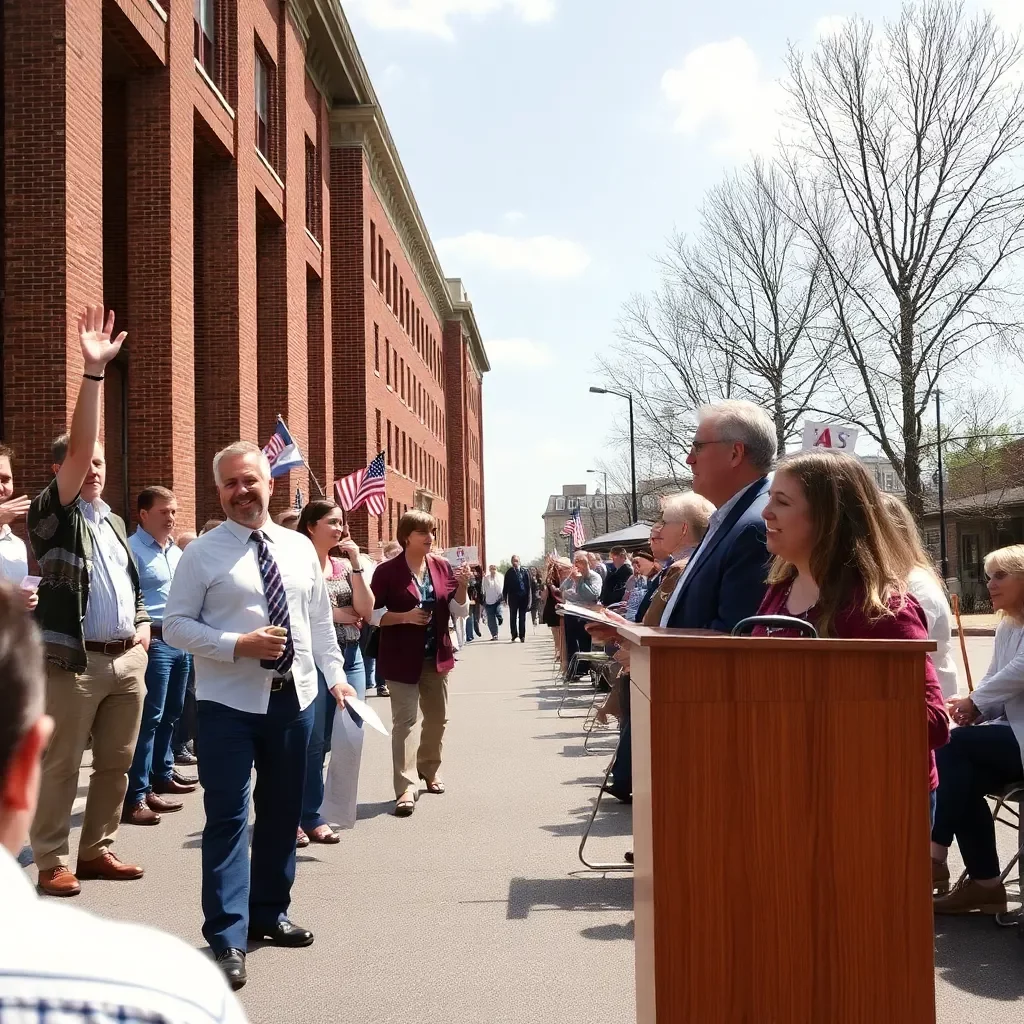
(280, 419)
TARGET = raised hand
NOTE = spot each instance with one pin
(350, 550)
(95, 337)
(13, 508)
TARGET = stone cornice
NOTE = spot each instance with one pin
(363, 126)
(462, 310)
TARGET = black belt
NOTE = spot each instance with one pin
(111, 648)
(156, 631)
(279, 683)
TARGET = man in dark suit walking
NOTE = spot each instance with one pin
(517, 593)
(613, 590)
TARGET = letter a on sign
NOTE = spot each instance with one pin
(833, 437)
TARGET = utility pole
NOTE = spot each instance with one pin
(943, 559)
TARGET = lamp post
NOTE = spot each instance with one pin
(943, 557)
(632, 441)
(605, 475)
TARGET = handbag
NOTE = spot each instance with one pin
(369, 641)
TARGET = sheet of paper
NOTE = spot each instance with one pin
(588, 612)
(367, 714)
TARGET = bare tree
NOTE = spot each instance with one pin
(740, 313)
(907, 164)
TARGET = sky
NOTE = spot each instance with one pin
(554, 146)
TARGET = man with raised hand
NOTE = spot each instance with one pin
(96, 631)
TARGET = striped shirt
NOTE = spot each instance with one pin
(110, 610)
(60, 965)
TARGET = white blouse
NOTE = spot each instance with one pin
(1001, 693)
(927, 591)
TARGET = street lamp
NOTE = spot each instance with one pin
(605, 475)
(632, 442)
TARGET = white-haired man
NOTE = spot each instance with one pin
(249, 602)
(731, 457)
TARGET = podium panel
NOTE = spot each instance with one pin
(781, 830)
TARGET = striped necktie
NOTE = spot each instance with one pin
(277, 602)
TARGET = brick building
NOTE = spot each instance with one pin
(221, 174)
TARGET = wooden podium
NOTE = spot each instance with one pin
(781, 829)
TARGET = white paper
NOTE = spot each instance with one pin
(341, 786)
(461, 556)
(366, 713)
(588, 612)
(833, 437)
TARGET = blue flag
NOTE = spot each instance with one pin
(282, 452)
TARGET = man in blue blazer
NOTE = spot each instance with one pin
(731, 458)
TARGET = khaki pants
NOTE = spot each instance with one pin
(417, 754)
(106, 701)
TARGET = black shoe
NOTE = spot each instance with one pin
(184, 780)
(620, 795)
(232, 965)
(284, 933)
(184, 757)
(383, 691)
(629, 856)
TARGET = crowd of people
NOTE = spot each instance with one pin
(252, 645)
(812, 537)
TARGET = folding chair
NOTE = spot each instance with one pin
(609, 672)
(597, 866)
(568, 691)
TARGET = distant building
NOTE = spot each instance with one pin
(884, 473)
(593, 508)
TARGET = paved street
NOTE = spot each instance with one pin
(474, 910)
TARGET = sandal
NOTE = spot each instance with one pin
(435, 786)
(301, 839)
(405, 806)
(324, 834)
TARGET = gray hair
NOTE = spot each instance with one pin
(241, 448)
(690, 508)
(748, 424)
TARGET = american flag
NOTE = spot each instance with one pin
(574, 528)
(364, 486)
(281, 451)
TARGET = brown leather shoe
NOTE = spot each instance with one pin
(172, 786)
(162, 804)
(58, 881)
(139, 814)
(107, 867)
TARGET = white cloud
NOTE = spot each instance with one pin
(539, 256)
(434, 17)
(514, 216)
(830, 26)
(519, 352)
(721, 90)
(394, 75)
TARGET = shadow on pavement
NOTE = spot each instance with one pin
(976, 956)
(374, 810)
(613, 820)
(609, 932)
(526, 895)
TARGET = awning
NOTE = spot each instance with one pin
(630, 537)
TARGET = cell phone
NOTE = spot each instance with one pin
(427, 606)
(31, 583)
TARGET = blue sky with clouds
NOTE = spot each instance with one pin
(553, 146)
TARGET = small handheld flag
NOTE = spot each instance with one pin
(281, 451)
(364, 486)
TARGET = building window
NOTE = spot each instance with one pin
(261, 80)
(377, 416)
(401, 379)
(380, 264)
(387, 279)
(559, 504)
(313, 190)
(376, 350)
(390, 463)
(373, 252)
(401, 301)
(387, 362)
(202, 33)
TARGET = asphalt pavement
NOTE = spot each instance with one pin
(476, 909)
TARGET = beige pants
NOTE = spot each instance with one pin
(417, 754)
(106, 701)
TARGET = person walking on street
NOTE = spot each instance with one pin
(96, 630)
(250, 603)
(151, 778)
(517, 592)
(536, 588)
(492, 587)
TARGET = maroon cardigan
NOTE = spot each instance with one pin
(907, 622)
(400, 653)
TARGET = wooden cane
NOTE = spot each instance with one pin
(955, 600)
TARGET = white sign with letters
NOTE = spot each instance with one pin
(833, 437)
(461, 556)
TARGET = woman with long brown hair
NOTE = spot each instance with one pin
(834, 551)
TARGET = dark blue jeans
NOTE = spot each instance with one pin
(470, 626)
(977, 760)
(166, 680)
(622, 769)
(493, 611)
(243, 888)
(324, 708)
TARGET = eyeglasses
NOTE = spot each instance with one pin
(698, 445)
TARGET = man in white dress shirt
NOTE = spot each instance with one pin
(105, 970)
(233, 587)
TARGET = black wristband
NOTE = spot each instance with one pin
(90, 376)
(357, 572)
